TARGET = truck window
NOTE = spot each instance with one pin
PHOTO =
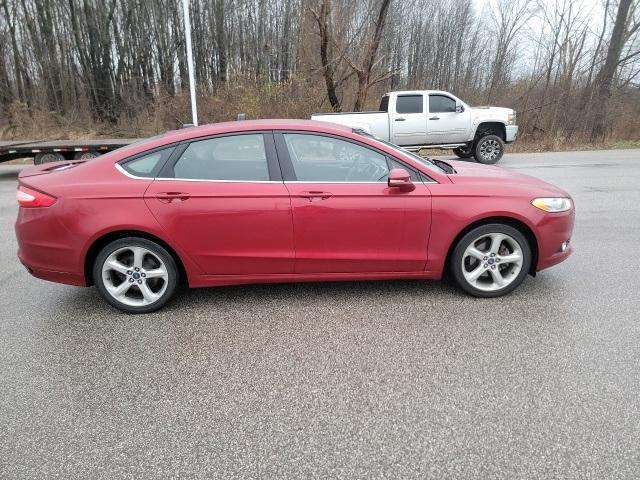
(441, 104)
(409, 104)
(384, 104)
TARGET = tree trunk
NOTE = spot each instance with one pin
(604, 80)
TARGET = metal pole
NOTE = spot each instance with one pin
(192, 80)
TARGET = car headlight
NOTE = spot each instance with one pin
(552, 204)
(511, 118)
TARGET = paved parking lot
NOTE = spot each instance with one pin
(359, 380)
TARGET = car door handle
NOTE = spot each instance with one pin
(169, 197)
(400, 119)
(434, 118)
(315, 194)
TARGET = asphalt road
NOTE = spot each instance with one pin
(359, 380)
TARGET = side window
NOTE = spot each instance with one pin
(318, 158)
(441, 104)
(235, 158)
(395, 164)
(409, 104)
(384, 104)
(147, 165)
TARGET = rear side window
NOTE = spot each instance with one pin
(232, 158)
(441, 104)
(409, 104)
(147, 165)
(384, 104)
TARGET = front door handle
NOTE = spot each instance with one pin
(434, 118)
(400, 119)
(315, 194)
(170, 197)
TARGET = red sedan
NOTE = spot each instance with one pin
(282, 201)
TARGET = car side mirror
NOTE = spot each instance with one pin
(459, 108)
(399, 178)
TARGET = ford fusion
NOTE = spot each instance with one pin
(282, 201)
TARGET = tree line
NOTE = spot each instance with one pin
(570, 68)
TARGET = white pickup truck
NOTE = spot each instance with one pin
(435, 119)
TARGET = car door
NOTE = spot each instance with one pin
(346, 217)
(408, 120)
(223, 201)
(444, 123)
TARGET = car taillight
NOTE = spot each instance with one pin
(29, 198)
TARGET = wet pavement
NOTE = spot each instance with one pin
(401, 379)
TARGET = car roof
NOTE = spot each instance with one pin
(191, 133)
(249, 125)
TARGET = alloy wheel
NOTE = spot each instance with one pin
(135, 276)
(492, 262)
(490, 149)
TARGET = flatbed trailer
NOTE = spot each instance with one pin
(55, 150)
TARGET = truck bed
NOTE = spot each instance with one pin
(13, 149)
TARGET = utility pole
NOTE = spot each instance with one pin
(192, 80)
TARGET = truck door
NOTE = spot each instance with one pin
(444, 123)
(408, 120)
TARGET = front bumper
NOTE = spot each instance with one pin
(511, 133)
(554, 230)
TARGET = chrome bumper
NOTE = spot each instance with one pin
(511, 132)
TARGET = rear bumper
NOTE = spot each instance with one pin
(553, 231)
(67, 278)
(46, 248)
(511, 133)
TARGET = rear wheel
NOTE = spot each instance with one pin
(463, 152)
(491, 260)
(489, 149)
(135, 275)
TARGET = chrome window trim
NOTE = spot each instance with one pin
(163, 179)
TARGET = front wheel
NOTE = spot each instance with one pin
(135, 275)
(489, 149)
(491, 260)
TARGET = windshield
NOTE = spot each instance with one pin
(427, 162)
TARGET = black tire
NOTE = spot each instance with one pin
(489, 149)
(463, 152)
(513, 276)
(156, 254)
(85, 155)
(47, 157)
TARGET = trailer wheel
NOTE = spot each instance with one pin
(47, 157)
(85, 155)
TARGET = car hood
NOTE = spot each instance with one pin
(479, 174)
(492, 111)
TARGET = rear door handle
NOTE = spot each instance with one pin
(400, 119)
(434, 118)
(315, 194)
(169, 197)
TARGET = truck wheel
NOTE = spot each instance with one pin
(489, 149)
(47, 157)
(85, 155)
(463, 152)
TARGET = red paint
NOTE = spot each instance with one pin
(244, 232)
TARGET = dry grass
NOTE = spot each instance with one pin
(290, 99)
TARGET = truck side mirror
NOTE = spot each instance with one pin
(459, 108)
